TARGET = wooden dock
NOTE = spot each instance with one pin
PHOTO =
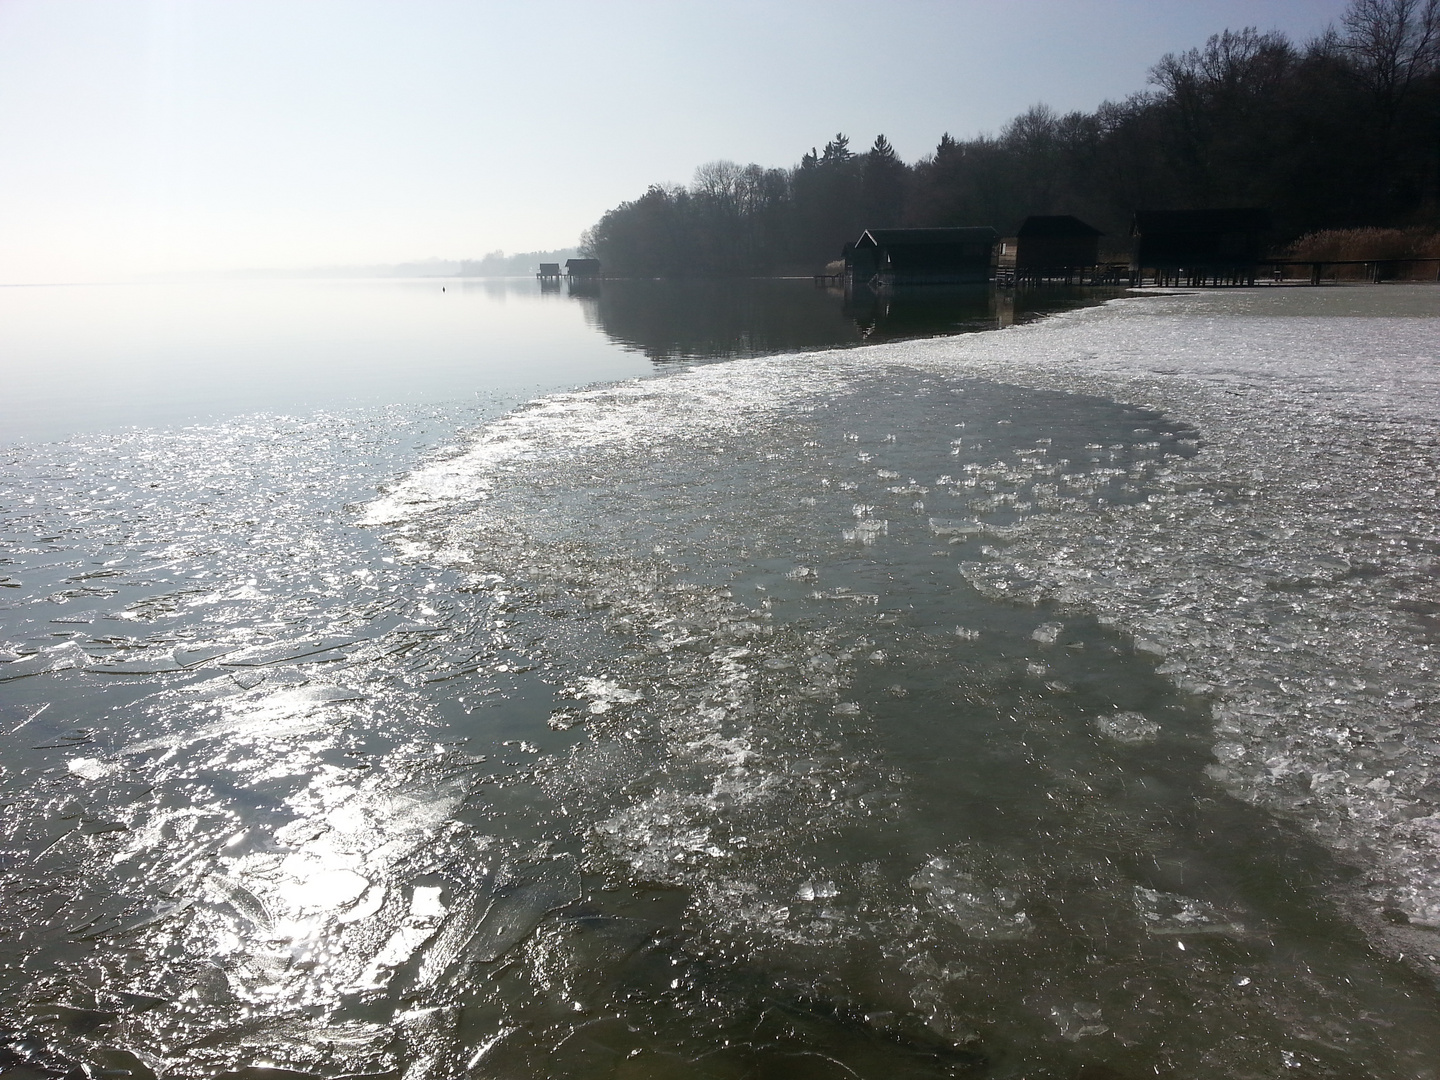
(1371, 270)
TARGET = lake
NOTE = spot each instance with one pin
(91, 358)
(730, 680)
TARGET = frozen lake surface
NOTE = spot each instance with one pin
(1053, 702)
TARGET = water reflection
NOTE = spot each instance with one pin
(105, 357)
(704, 320)
(96, 358)
(899, 313)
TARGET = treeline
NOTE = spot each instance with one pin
(1340, 132)
(498, 264)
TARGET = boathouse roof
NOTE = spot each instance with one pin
(1055, 225)
(981, 234)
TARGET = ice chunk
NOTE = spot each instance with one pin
(515, 914)
(156, 663)
(426, 911)
(1170, 913)
(866, 531)
(1126, 727)
(1046, 633)
(658, 838)
(604, 695)
(564, 719)
(87, 768)
(1002, 581)
(241, 900)
(816, 890)
(56, 658)
(1081, 1020)
(956, 527)
(982, 911)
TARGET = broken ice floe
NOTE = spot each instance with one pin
(1127, 727)
(1047, 633)
(1273, 570)
(982, 910)
(1168, 913)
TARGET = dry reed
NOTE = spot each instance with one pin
(1370, 244)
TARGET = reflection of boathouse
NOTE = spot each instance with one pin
(890, 257)
(582, 268)
(897, 314)
(1192, 247)
(1055, 247)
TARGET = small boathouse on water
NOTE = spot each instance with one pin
(582, 268)
(549, 272)
(892, 257)
(1195, 247)
(1050, 247)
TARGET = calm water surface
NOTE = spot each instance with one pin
(91, 358)
(648, 730)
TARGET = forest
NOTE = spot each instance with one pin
(1338, 133)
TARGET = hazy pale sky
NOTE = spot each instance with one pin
(143, 136)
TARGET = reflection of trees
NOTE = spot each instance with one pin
(672, 320)
(681, 320)
(894, 315)
(499, 287)
(930, 311)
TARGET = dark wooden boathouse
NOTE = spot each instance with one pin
(1199, 247)
(582, 268)
(549, 271)
(1055, 247)
(891, 257)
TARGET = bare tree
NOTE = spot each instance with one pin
(1392, 44)
(720, 181)
(1236, 61)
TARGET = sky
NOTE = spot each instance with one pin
(142, 137)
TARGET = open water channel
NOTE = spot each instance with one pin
(394, 682)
